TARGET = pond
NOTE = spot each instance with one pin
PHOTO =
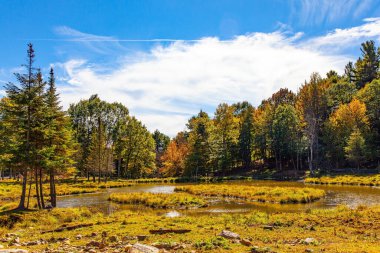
(351, 196)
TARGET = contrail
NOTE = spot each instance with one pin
(112, 40)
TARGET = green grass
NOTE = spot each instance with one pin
(334, 230)
(372, 180)
(158, 200)
(255, 193)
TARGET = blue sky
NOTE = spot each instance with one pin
(167, 59)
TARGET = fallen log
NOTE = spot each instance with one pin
(65, 227)
(167, 231)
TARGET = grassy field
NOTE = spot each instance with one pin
(333, 230)
(159, 200)
(371, 180)
(255, 193)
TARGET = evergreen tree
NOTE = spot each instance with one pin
(367, 66)
(23, 112)
(356, 149)
(59, 142)
(198, 160)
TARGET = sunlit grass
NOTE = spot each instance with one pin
(335, 230)
(158, 200)
(372, 180)
(256, 193)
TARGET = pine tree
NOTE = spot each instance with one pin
(356, 148)
(367, 66)
(23, 112)
(59, 142)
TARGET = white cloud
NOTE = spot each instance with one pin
(311, 12)
(342, 38)
(168, 84)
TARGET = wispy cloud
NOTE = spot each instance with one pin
(314, 12)
(96, 43)
(340, 39)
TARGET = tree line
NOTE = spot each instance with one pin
(331, 122)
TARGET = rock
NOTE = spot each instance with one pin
(16, 240)
(32, 243)
(229, 235)
(309, 250)
(169, 246)
(13, 251)
(10, 235)
(128, 238)
(14, 244)
(91, 251)
(257, 249)
(93, 234)
(245, 242)
(128, 247)
(94, 244)
(141, 237)
(113, 238)
(142, 248)
(78, 237)
(104, 234)
(268, 227)
(310, 240)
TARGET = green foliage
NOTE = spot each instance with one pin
(356, 148)
(198, 159)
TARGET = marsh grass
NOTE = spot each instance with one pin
(371, 180)
(255, 193)
(335, 230)
(159, 200)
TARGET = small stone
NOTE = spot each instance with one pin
(268, 227)
(245, 242)
(16, 240)
(93, 244)
(142, 248)
(93, 234)
(14, 251)
(229, 235)
(104, 234)
(309, 250)
(113, 238)
(309, 240)
(127, 247)
(92, 251)
(78, 237)
(257, 249)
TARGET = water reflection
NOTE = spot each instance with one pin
(336, 195)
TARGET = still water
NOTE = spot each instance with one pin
(336, 195)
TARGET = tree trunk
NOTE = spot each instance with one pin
(30, 188)
(21, 205)
(41, 190)
(53, 199)
(118, 166)
(37, 189)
